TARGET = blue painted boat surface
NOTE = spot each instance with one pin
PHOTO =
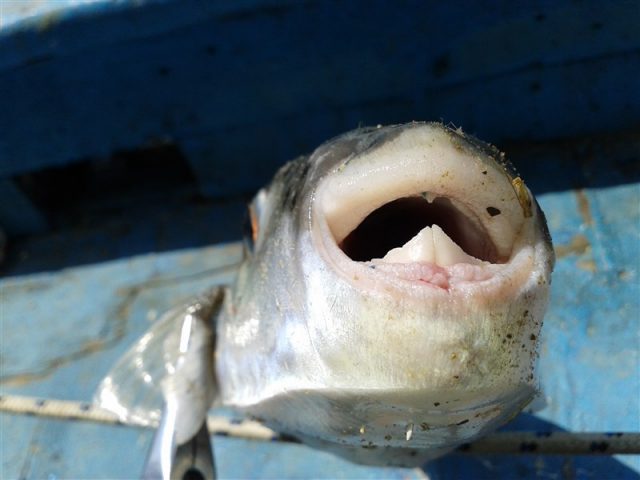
(234, 89)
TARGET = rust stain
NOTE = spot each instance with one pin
(92, 346)
(583, 207)
(579, 245)
(588, 265)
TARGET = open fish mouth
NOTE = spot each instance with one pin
(432, 207)
(419, 228)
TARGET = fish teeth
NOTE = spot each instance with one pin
(431, 245)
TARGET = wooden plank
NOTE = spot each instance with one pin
(242, 86)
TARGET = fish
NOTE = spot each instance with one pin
(388, 307)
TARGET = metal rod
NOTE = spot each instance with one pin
(159, 461)
(538, 443)
(555, 443)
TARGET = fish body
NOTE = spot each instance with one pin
(388, 355)
(390, 302)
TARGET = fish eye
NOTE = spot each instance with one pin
(250, 230)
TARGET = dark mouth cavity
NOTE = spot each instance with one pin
(397, 222)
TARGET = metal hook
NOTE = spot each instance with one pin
(192, 460)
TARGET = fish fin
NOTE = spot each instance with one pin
(171, 362)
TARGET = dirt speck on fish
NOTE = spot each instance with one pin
(397, 276)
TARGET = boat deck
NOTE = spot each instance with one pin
(73, 298)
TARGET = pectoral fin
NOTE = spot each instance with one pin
(170, 363)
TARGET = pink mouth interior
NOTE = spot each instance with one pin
(398, 221)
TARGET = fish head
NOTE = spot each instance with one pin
(391, 301)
